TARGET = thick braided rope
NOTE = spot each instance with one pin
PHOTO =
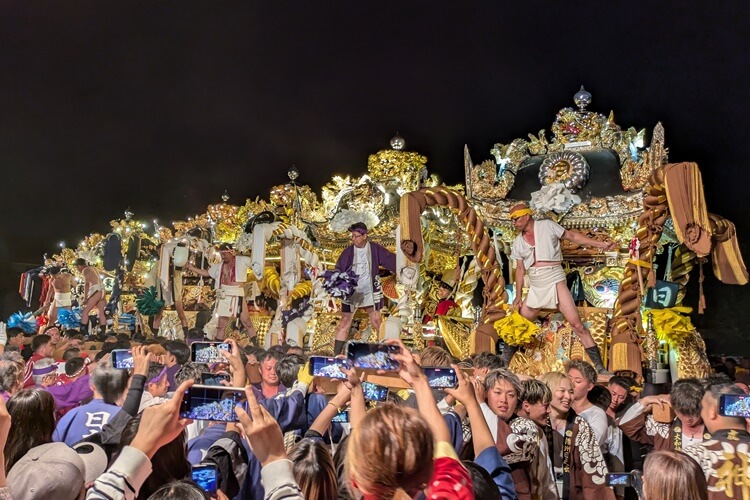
(650, 226)
(481, 244)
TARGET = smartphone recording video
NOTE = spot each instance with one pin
(208, 352)
(374, 392)
(734, 405)
(206, 477)
(441, 378)
(321, 366)
(214, 378)
(341, 417)
(203, 402)
(122, 359)
(372, 356)
(619, 478)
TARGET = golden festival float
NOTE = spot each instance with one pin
(589, 175)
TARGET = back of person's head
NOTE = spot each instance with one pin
(686, 396)
(717, 378)
(713, 420)
(123, 337)
(256, 352)
(70, 353)
(190, 371)
(11, 373)
(672, 475)
(600, 396)
(435, 356)
(288, 367)
(488, 361)
(32, 413)
(281, 349)
(179, 350)
(169, 463)
(295, 349)
(339, 463)
(72, 333)
(389, 453)
(39, 341)
(482, 484)
(534, 392)
(314, 470)
(109, 381)
(586, 369)
(180, 490)
(74, 366)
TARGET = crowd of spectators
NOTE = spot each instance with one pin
(72, 425)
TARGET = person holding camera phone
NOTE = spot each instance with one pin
(724, 457)
(363, 258)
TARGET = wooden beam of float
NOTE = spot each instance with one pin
(412, 206)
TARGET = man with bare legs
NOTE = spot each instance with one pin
(536, 251)
(94, 296)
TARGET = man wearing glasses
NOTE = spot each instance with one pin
(536, 251)
(362, 258)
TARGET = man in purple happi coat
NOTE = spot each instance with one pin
(362, 258)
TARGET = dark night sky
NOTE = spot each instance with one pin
(161, 106)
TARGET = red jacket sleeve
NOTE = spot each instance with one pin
(450, 481)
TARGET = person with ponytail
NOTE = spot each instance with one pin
(389, 449)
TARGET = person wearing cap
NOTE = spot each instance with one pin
(93, 292)
(62, 283)
(536, 252)
(56, 471)
(364, 259)
(229, 277)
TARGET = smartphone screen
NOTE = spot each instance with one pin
(208, 378)
(375, 392)
(202, 402)
(341, 417)
(208, 352)
(441, 377)
(734, 405)
(122, 359)
(618, 479)
(321, 366)
(372, 356)
(205, 476)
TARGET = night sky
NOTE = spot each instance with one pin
(161, 106)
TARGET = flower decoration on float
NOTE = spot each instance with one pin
(553, 198)
(69, 318)
(24, 321)
(514, 329)
(339, 284)
(672, 325)
(343, 220)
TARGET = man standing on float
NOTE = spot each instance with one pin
(230, 276)
(362, 258)
(536, 251)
